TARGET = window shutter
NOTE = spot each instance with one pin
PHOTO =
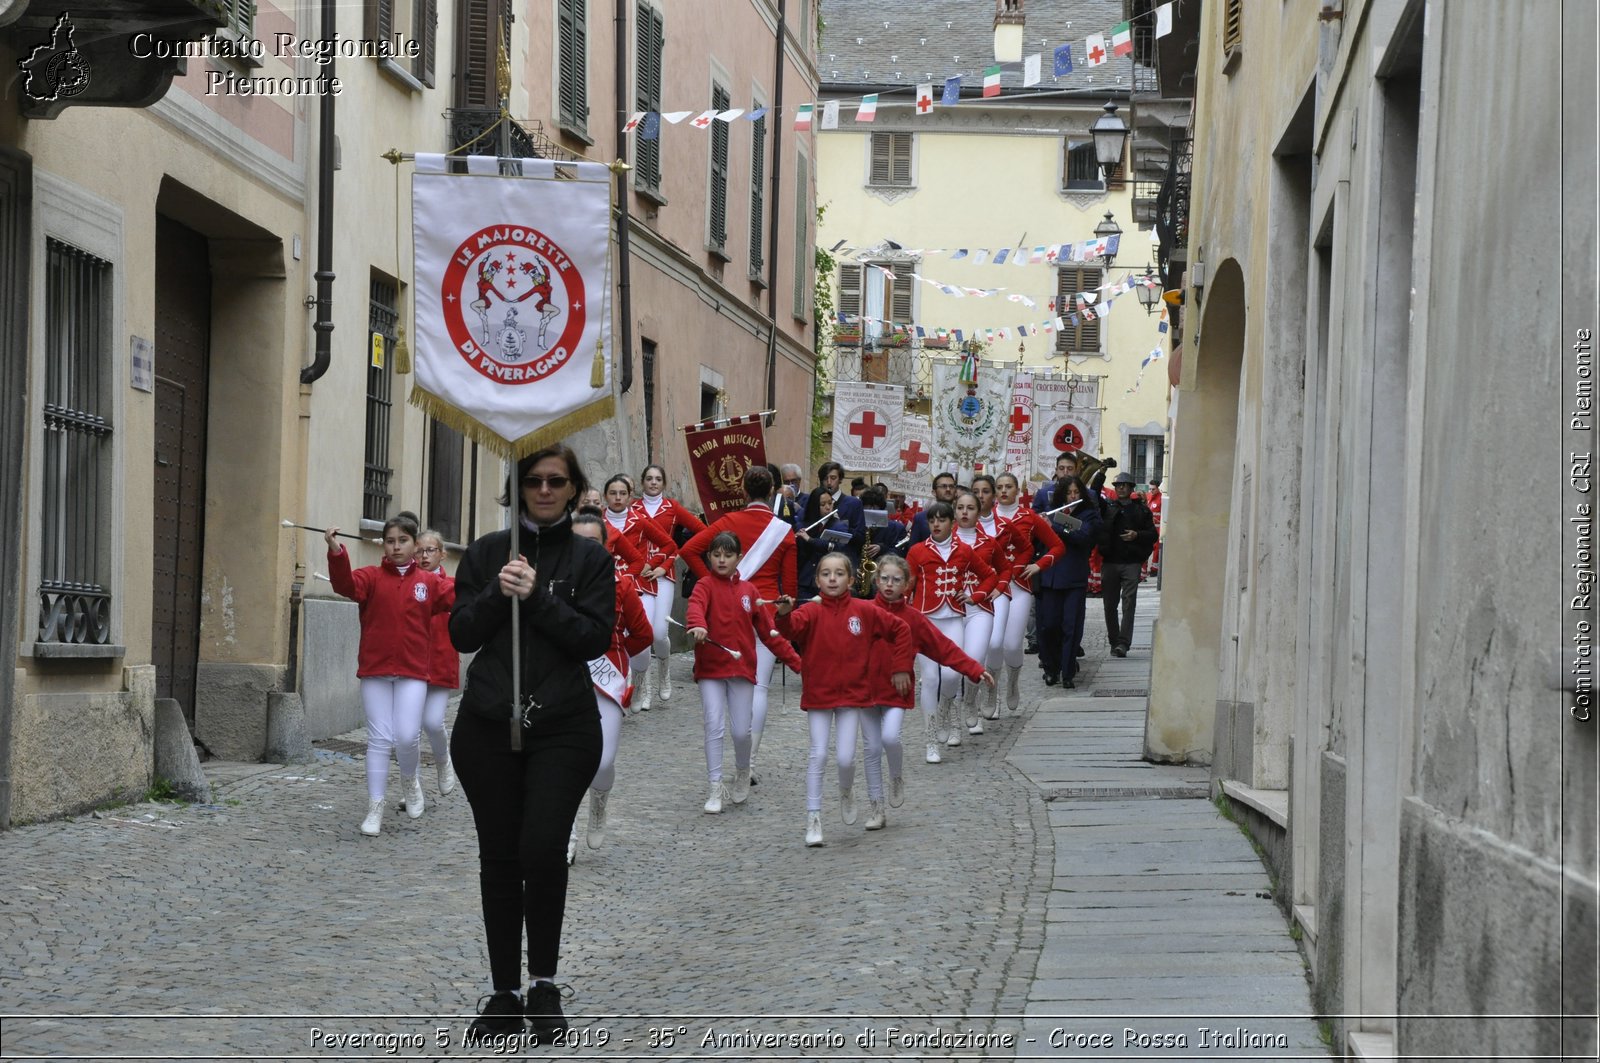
(1084, 337)
(385, 17)
(647, 91)
(1232, 25)
(758, 203)
(244, 18)
(476, 87)
(850, 290)
(879, 173)
(900, 295)
(900, 159)
(572, 31)
(802, 249)
(428, 26)
(719, 170)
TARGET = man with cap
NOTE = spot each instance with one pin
(1128, 535)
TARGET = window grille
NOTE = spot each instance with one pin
(382, 317)
(74, 599)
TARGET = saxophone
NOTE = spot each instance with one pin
(866, 572)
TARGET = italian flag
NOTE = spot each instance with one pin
(868, 109)
(1121, 39)
(991, 81)
(802, 116)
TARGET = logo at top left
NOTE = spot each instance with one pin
(55, 70)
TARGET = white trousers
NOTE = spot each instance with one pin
(889, 735)
(605, 776)
(659, 606)
(1016, 629)
(976, 627)
(726, 704)
(393, 707)
(819, 721)
(433, 708)
(871, 720)
(938, 681)
(997, 634)
(765, 662)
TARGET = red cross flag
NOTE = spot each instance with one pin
(1019, 438)
(511, 289)
(866, 426)
(925, 98)
(1095, 48)
(915, 470)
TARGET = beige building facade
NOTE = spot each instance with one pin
(1368, 654)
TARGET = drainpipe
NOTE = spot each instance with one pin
(323, 326)
(772, 234)
(624, 291)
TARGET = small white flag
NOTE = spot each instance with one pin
(728, 116)
(1030, 69)
(830, 115)
(703, 119)
(1163, 20)
(674, 117)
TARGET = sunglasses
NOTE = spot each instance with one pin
(538, 483)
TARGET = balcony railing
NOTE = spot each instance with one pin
(524, 139)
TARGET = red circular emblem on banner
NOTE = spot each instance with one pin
(1067, 437)
(514, 303)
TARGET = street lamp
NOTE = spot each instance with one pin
(1107, 229)
(1110, 133)
(1147, 291)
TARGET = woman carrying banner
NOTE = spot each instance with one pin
(1033, 547)
(524, 801)
(659, 551)
(669, 516)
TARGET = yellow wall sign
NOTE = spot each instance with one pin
(377, 350)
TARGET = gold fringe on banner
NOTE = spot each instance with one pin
(469, 426)
(597, 372)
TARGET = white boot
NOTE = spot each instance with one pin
(952, 717)
(664, 683)
(974, 718)
(597, 817)
(991, 701)
(847, 804)
(414, 801)
(875, 817)
(641, 691)
(372, 826)
(933, 741)
(447, 776)
(897, 791)
(1013, 695)
(813, 828)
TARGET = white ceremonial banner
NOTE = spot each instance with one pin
(1066, 416)
(913, 476)
(866, 425)
(969, 430)
(512, 298)
(1019, 428)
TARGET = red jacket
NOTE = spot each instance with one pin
(629, 559)
(992, 549)
(938, 580)
(1028, 528)
(648, 539)
(776, 576)
(396, 614)
(669, 516)
(444, 663)
(836, 637)
(727, 609)
(928, 641)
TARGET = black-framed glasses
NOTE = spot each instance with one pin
(538, 483)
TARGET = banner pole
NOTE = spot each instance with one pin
(516, 627)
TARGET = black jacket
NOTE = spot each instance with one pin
(566, 621)
(1132, 515)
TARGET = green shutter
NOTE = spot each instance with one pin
(718, 198)
(758, 192)
(849, 297)
(651, 41)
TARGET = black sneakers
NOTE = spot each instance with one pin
(1051, 679)
(501, 1016)
(543, 1011)
(1078, 652)
(1119, 651)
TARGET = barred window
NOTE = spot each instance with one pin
(572, 19)
(382, 316)
(74, 564)
(647, 94)
(1084, 337)
(717, 194)
(1146, 454)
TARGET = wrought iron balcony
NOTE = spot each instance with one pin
(523, 139)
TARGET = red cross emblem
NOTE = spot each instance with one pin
(924, 104)
(867, 430)
(1020, 419)
(913, 457)
(1097, 56)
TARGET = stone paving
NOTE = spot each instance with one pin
(265, 926)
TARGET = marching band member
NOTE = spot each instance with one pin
(1030, 534)
(668, 515)
(659, 552)
(978, 624)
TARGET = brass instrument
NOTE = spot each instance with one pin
(1089, 466)
(867, 570)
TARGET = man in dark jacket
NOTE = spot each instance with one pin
(1127, 535)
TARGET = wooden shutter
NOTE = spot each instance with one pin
(1232, 25)
(381, 16)
(717, 230)
(650, 41)
(879, 173)
(900, 294)
(900, 158)
(849, 299)
(428, 33)
(1084, 337)
(244, 18)
(758, 192)
(573, 33)
(802, 230)
(477, 44)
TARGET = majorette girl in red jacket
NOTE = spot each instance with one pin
(725, 618)
(844, 642)
(660, 554)
(668, 515)
(397, 602)
(444, 664)
(949, 575)
(1030, 534)
(610, 675)
(894, 581)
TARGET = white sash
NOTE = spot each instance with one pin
(762, 549)
(607, 679)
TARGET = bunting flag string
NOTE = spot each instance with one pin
(1039, 255)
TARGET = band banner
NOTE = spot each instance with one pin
(513, 308)
(914, 475)
(866, 425)
(969, 420)
(719, 453)
(1066, 417)
(1019, 427)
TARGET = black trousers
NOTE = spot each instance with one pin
(1120, 580)
(524, 805)
(1060, 617)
